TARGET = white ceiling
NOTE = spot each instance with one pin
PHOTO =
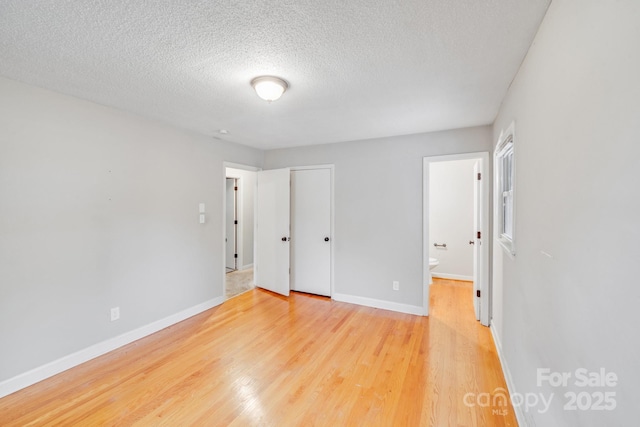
(357, 68)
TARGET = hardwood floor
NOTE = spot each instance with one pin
(262, 359)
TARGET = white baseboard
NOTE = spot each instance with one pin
(452, 276)
(74, 359)
(376, 303)
(246, 267)
(507, 375)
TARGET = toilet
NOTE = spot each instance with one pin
(433, 263)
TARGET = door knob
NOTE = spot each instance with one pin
(284, 239)
(471, 242)
(326, 239)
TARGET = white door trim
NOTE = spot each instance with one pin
(331, 234)
(485, 285)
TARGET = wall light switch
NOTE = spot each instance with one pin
(201, 218)
(201, 208)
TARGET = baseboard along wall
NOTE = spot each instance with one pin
(67, 362)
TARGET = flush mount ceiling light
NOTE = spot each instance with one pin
(269, 88)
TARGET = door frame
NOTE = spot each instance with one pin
(226, 165)
(484, 279)
(331, 168)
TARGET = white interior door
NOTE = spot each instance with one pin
(230, 217)
(271, 265)
(311, 231)
(477, 221)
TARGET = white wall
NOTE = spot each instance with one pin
(378, 207)
(451, 186)
(576, 105)
(98, 209)
(246, 195)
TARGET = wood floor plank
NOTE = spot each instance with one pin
(262, 359)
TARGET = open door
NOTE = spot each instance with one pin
(477, 240)
(481, 292)
(230, 225)
(271, 264)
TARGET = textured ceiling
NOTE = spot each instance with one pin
(357, 68)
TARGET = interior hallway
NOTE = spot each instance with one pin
(262, 359)
(237, 282)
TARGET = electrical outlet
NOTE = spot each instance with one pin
(396, 285)
(115, 313)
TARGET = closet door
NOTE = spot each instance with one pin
(271, 267)
(311, 231)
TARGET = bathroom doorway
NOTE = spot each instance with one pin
(239, 225)
(456, 226)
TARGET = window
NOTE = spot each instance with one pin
(505, 174)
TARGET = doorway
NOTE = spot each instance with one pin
(456, 226)
(239, 225)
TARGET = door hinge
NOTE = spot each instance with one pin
(235, 221)
(479, 234)
(236, 188)
(235, 255)
(478, 293)
(479, 176)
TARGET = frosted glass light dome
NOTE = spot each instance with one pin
(269, 88)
